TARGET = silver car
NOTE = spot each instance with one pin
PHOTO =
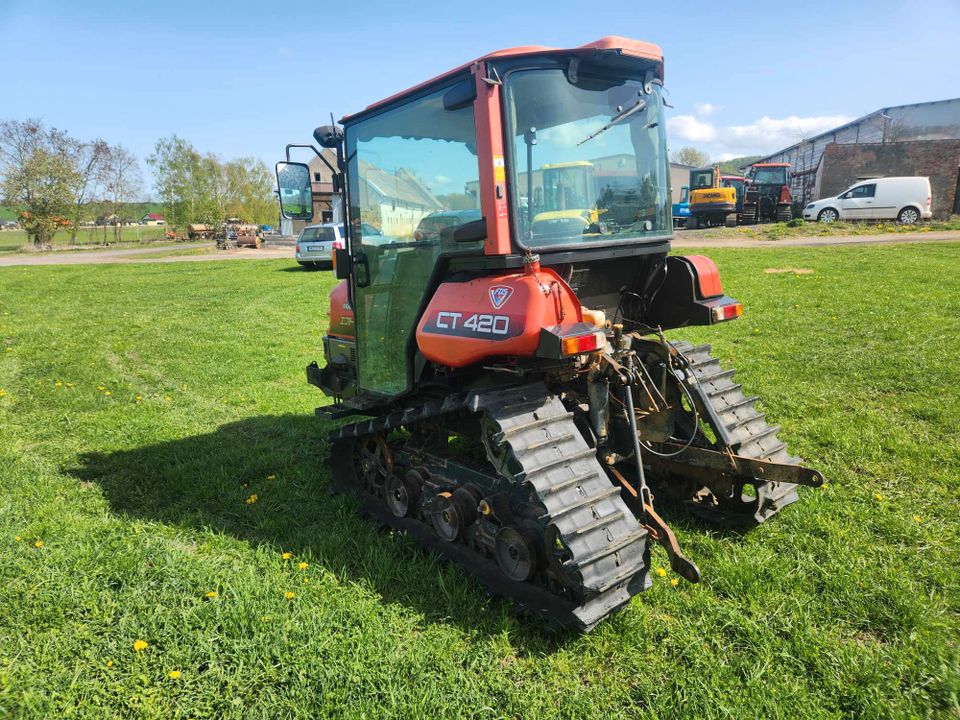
(316, 244)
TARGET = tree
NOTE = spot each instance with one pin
(199, 188)
(121, 181)
(38, 175)
(690, 156)
(88, 159)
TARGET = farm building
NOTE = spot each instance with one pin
(918, 139)
(152, 219)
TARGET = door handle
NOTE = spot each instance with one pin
(361, 280)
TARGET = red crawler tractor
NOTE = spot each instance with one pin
(521, 401)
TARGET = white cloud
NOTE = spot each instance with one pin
(442, 180)
(687, 127)
(761, 137)
(704, 109)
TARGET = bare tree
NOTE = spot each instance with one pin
(122, 181)
(38, 175)
(88, 159)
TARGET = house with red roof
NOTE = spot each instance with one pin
(152, 219)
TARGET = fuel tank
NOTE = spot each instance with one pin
(494, 316)
(341, 314)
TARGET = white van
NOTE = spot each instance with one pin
(904, 199)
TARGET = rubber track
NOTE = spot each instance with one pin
(746, 428)
(536, 443)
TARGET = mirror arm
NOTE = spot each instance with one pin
(316, 152)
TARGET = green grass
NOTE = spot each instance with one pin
(17, 240)
(844, 605)
(781, 231)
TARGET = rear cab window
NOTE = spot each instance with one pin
(322, 234)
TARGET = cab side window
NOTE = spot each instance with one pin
(862, 191)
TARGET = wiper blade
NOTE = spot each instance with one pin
(639, 105)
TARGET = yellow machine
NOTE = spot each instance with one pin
(710, 202)
(569, 194)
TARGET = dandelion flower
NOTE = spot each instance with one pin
(286, 555)
(211, 594)
(916, 518)
(173, 674)
(58, 384)
(107, 392)
(3, 393)
(303, 565)
(140, 645)
(878, 497)
(271, 477)
(661, 572)
(17, 538)
(38, 544)
(289, 595)
(675, 582)
(101, 388)
(109, 663)
(138, 398)
(167, 398)
(252, 499)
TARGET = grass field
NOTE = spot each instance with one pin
(159, 457)
(17, 240)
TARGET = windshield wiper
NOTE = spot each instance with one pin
(641, 104)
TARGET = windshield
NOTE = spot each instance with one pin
(770, 176)
(589, 159)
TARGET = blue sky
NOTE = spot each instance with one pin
(241, 78)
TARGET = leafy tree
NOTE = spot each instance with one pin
(39, 175)
(690, 156)
(198, 188)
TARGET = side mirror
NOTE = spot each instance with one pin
(296, 195)
(471, 231)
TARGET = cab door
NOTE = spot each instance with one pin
(858, 202)
(411, 169)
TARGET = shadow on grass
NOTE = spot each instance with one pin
(202, 482)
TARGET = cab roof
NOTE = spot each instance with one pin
(606, 44)
(770, 165)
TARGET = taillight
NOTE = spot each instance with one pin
(298, 247)
(578, 344)
(337, 245)
(928, 200)
(727, 312)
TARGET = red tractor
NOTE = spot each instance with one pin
(520, 400)
(767, 195)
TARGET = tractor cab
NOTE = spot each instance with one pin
(561, 154)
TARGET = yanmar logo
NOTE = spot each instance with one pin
(499, 294)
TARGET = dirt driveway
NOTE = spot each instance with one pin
(205, 251)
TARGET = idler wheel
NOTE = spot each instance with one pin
(453, 513)
(403, 493)
(516, 553)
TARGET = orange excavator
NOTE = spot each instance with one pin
(521, 405)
